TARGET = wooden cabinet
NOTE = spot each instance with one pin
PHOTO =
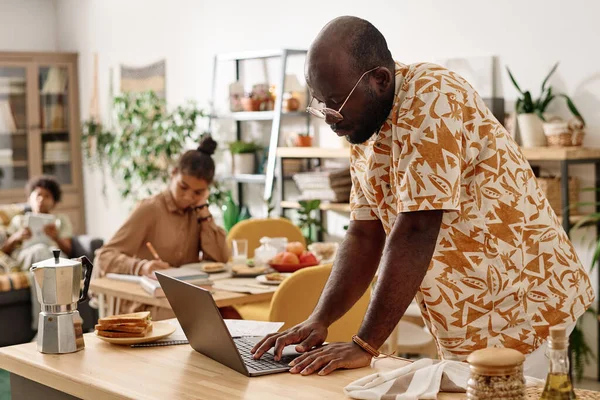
(40, 128)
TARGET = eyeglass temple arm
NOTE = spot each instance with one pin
(354, 88)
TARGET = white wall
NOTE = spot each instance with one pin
(28, 25)
(528, 36)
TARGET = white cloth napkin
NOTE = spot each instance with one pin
(423, 379)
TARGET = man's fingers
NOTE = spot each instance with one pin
(304, 356)
(282, 341)
(332, 366)
(261, 341)
(311, 341)
(270, 342)
(317, 364)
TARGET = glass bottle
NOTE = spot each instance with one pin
(558, 383)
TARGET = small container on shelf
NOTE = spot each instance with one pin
(496, 373)
(303, 140)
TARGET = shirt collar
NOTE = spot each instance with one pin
(170, 202)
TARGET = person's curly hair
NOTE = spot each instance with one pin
(45, 182)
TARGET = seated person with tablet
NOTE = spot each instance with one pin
(33, 236)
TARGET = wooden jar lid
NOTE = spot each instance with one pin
(495, 361)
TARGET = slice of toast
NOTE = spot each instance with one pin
(130, 328)
(116, 334)
(140, 318)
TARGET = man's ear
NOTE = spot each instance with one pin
(384, 78)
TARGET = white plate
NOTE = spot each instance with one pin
(262, 279)
(159, 330)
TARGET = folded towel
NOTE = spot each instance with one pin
(422, 379)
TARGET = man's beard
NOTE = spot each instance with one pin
(377, 111)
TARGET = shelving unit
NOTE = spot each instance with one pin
(43, 106)
(565, 157)
(275, 116)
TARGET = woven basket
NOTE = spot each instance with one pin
(564, 134)
(566, 139)
(551, 188)
(534, 393)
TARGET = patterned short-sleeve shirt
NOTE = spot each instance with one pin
(503, 270)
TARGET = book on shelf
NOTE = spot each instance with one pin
(18, 106)
(53, 116)
(57, 152)
(335, 196)
(12, 85)
(6, 156)
(56, 81)
(323, 179)
(189, 275)
(7, 121)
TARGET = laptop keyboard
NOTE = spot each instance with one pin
(267, 362)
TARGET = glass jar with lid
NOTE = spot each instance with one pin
(496, 373)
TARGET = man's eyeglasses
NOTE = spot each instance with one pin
(330, 114)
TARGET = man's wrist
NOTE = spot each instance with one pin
(369, 339)
(320, 318)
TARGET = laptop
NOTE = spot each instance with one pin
(207, 333)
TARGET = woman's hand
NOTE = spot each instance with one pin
(150, 266)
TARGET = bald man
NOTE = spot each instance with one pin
(444, 203)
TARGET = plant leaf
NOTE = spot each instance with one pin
(548, 76)
(512, 78)
(572, 107)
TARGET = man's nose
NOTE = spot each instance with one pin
(331, 119)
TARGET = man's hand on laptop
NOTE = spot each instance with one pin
(307, 335)
(330, 357)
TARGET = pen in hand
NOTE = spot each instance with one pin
(153, 251)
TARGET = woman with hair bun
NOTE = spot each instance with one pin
(176, 222)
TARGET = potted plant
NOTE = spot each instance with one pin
(144, 143)
(303, 140)
(309, 225)
(530, 112)
(243, 157)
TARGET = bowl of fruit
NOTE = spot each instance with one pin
(294, 257)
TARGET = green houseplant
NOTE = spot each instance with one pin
(145, 142)
(581, 352)
(530, 112)
(307, 222)
(243, 157)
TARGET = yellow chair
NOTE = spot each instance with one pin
(296, 298)
(255, 228)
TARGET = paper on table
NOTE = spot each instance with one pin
(243, 285)
(236, 327)
(242, 327)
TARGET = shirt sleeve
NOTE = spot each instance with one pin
(360, 208)
(15, 224)
(119, 254)
(213, 242)
(429, 164)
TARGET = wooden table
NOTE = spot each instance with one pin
(104, 371)
(115, 290)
